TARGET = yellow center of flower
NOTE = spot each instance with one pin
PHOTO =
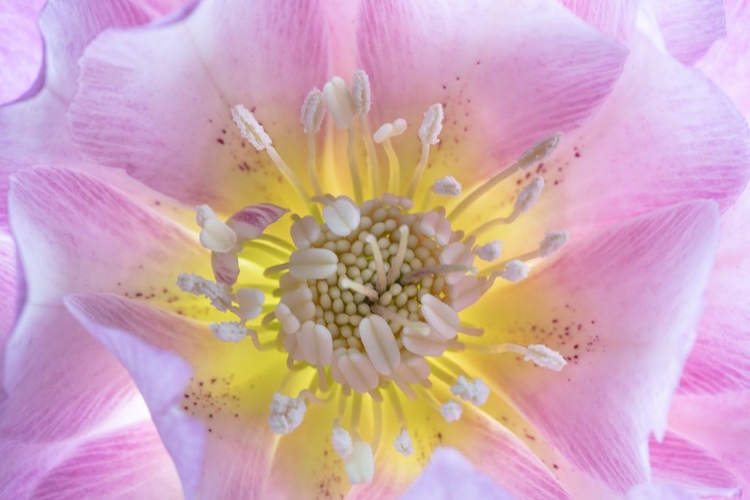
(370, 290)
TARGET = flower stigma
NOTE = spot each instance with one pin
(370, 290)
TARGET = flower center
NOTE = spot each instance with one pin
(370, 292)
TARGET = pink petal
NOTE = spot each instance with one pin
(720, 425)
(678, 461)
(726, 62)
(651, 491)
(689, 27)
(222, 446)
(20, 47)
(450, 476)
(621, 308)
(9, 287)
(251, 221)
(157, 102)
(480, 60)
(616, 18)
(720, 360)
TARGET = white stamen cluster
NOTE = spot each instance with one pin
(447, 186)
(451, 411)
(404, 444)
(286, 413)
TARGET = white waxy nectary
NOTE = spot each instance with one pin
(250, 301)
(545, 357)
(339, 101)
(358, 371)
(313, 263)
(293, 347)
(440, 316)
(250, 128)
(447, 186)
(289, 322)
(539, 151)
(317, 344)
(414, 370)
(217, 236)
(380, 344)
(415, 342)
(305, 231)
(341, 216)
(341, 441)
(360, 465)
(443, 231)
(428, 223)
(219, 294)
(529, 195)
(456, 253)
(229, 332)
(361, 92)
(515, 271)
(203, 213)
(477, 391)
(552, 242)
(399, 127)
(286, 413)
(489, 251)
(451, 411)
(432, 124)
(300, 303)
(404, 444)
(313, 111)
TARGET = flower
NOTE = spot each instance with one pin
(113, 235)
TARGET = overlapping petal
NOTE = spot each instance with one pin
(625, 340)
(20, 47)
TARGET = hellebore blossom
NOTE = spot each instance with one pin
(347, 240)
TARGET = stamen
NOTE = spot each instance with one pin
(552, 242)
(451, 411)
(403, 443)
(229, 332)
(415, 276)
(377, 425)
(418, 327)
(398, 260)
(250, 301)
(218, 293)
(348, 284)
(515, 271)
(313, 112)
(256, 135)
(524, 201)
(341, 441)
(383, 136)
(429, 132)
(360, 465)
(342, 216)
(312, 263)
(340, 102)
(489, 251)
(380, 344)
(540, 354)
(447, 186)
(380, 265)
(286, 413)
(215, 234)
(361, 92)
(531, 156)
(305, 231)
(477, 391)
(440, 316)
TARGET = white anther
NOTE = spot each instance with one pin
(447, 186)
(289, 322)
(456, 253)
(451, 411)
(440, 316)
(489, 251)
(341, 216)
(340, 102)
(218, 293)
(403, 443)
(416, 342)
(229, 332)
(250, 128)
(539, 151)
(313, 111)
(358, 371)
(341, 441)
(286, 413)
(361, 92)
(515, 271)
(552, 242)
(399, 127)
(545, 357)
(383, 133)
(529, 195)
(380, 344)
(250, 302)
(414, 370)
(313, 264)
(360, 465)
(432, 124)
(317, 343)
(215, 235)
(305, 231)
(477, 392)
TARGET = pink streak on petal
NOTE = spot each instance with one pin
(480, 60)
(616, 18)
(681, 462)
(20, 47)
(450, 476)
(689, 27)
(625, 340)
(251, 221)
(161, 377)
(157, 102)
